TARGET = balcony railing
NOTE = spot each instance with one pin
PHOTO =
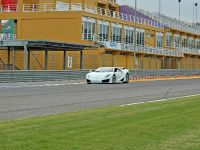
(6, 37)
(161, 19)
(172, 22)
(8, 8)
(111, 44)
(86, 8)
(191, 51)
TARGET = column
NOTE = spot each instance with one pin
(64, 59)
(46, 59)
(8, 55)
(81, 59)
(13, 59)
(29, 58)
(25, 57)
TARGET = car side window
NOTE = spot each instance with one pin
(118, 70)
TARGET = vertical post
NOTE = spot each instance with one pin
(25, 57)
(135, 42)
(179, 1)
(170, 63)
(163, 63)
(34, 59)
(196, 4)
(29, 58)
(193, 12)
(81, 59)
(13, 59)
(135, 36)
(64, 59)
(8, 55)
(46, 59)
(159, 7)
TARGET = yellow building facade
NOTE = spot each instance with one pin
(115, 33)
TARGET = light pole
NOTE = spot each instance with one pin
(196, 5)
(193, 12)
(135, 36)
(159, 7)
(179, 1)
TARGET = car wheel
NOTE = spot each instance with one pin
(88, 82)
(113, 79)
(127, 78)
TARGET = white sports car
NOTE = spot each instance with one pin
(108, 75)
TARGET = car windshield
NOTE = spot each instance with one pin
(104, 70)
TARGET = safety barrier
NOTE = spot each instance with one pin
(163, 74)
(41, 76)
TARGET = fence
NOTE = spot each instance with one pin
(163, 74)
(40, 76)
(55, 61)
(47, 7)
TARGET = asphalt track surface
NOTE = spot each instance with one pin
(24, 100)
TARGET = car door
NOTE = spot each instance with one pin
(118, 74)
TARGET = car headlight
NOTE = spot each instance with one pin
(87, 76)
(107, 75)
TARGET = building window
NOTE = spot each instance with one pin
(184, 42)
(191, 43)
(168, 39)
(129, 35)
(103, 30)
(176, 41)
(140, 37)
(116, 33)
(197, 44)
(159, 40)
(88, 28)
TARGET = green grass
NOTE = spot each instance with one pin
(169, 125)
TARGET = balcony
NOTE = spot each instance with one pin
(7, 37)
(173, 23)
(65, 7)
(116, 45)
(9, 8)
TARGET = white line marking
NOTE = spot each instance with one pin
(39, 85)
(173, 98)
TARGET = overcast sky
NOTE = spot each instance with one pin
(168, 7)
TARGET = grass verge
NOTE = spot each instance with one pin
(169, 125)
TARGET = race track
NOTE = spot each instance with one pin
(22, 100)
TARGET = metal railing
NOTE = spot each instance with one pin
(9, 8)
(191, 51)
(130, 47)
(95, 10)
(160, 20)
(41, 76)
(163, 74)
(6, 37)
(179, 52)
(158, 51)
(172, 22)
